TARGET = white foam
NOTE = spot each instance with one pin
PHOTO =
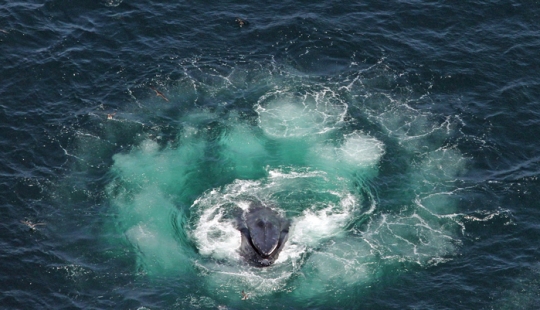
(149, 146)
(357, 152)
(277, 174)
(216, 236)
(214, 232)
(361, 150)
(287, 116)
(313, 226)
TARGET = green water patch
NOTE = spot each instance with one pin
(366, 180)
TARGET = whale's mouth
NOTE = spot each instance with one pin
(264, 237)
(263, 233)
(263, 255)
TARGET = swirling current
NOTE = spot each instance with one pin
(397, 138)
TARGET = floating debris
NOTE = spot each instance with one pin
(31, 225)
(158, 93)
(244, 295)
(241, 22)
(110, 116)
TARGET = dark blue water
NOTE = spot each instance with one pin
(400, 138)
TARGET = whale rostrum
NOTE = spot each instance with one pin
(264, 233)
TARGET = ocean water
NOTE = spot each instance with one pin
(400, 138)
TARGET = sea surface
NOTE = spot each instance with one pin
(400, 138)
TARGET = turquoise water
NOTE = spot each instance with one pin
(298, 147)
(398, 138)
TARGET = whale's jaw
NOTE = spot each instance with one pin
(264, 233)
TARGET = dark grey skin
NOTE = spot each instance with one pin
(264, 233)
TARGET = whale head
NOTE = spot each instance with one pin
(264, 233)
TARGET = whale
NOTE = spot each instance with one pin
(263, 233)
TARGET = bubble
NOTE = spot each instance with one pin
(286, 116)
(359, 150)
